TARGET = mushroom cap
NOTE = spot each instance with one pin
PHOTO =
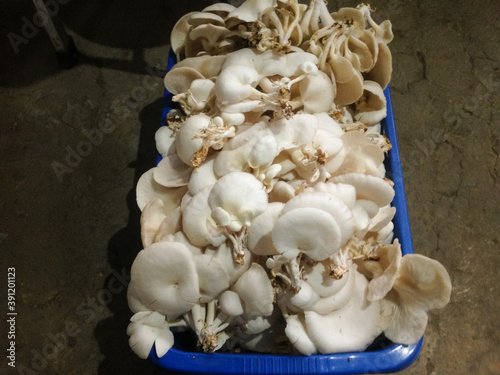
(148, 328)
(164, 138)
(197, 222)
(212, 277)
(351, 328)
(351, 91)
(251, 10)
(204, 17)
(341, 297)
(221, 9)
(230, 303)
(318, 277)
(382, 70)
(372, 107)
(317, 93)
(202, 176)
(147, 189)
(179, 34)
(382, 272)
(171, 171)
(188, 140)
(422, 284)
(361, 155)
(368, 187)
(151, 218)
(208, 66)
(328, 203)
(260, 241)
(347, 193)
(255, 290)
(236, 199)
(298, 130)
(224, 254)
(179, 80)
(164, 279)
(308, 230)
(297, 334)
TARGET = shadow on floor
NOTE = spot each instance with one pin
(123, 247)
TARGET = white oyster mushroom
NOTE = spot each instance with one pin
(151, 218)
(371, 108)
(156, 225)
(296, 332)
(361, 155)
(212, 277)
(255, 290)
(164, 279)
(319, 277)
(307, 230)
(368, 187)
(188, 139)
(172, 172)
(340, 297)
(235, 199)
(260, 241)
(328, 203)
(382, 271)
(235, 87)
(148, 328)
(345, 192)
(208, 66)
(202, 176)
(147, 189)
(179, 80)
(349, 329)
(197, 97)
(275, 157)
(302, 300)
(225, 254)
(407, 287)
(294, 132)
(197, 222)
(164, 139)
(181, 237)
(317, 93)
(251, 10)
(282, 192)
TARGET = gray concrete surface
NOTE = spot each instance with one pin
(72, 235)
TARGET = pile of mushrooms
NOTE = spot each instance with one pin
(267, 224)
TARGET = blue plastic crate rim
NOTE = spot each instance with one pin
(387, 358)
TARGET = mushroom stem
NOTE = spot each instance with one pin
(293, 269)
(196, 318)
(295, 23)
(210, 312)
(238, 240)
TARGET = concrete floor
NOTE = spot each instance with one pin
(72, 235)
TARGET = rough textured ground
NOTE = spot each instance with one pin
(72, 237)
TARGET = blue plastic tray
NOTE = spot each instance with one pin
(381, 357)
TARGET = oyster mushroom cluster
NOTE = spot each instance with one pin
(267, 225)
